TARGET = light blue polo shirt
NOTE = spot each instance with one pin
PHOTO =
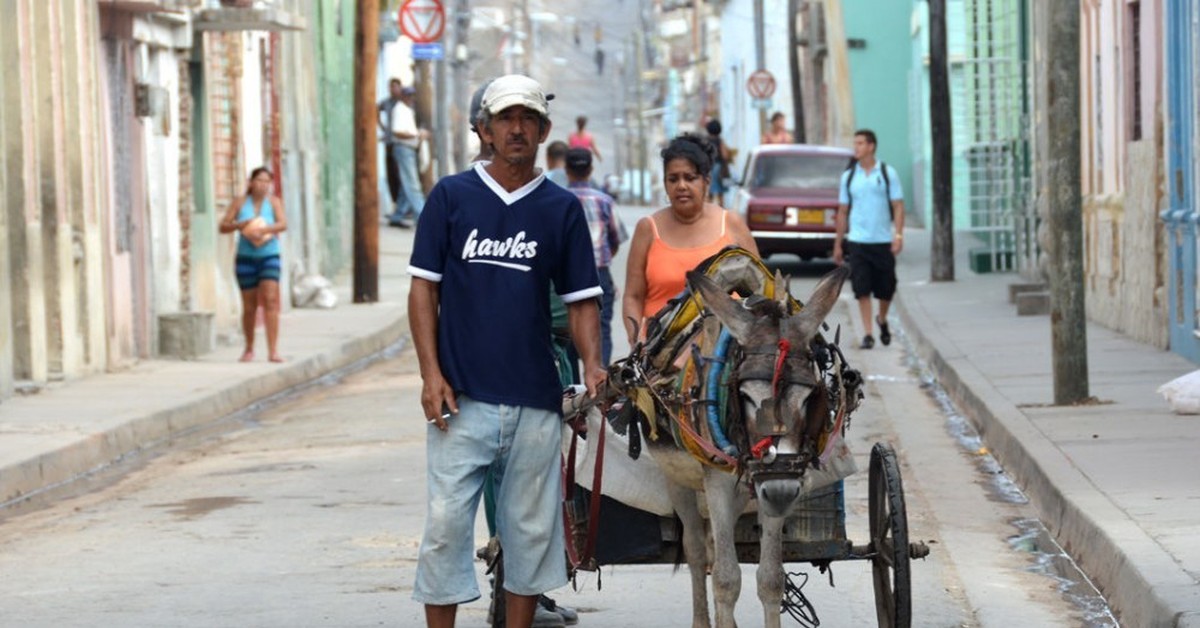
(871, 212)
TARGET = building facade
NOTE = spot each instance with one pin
(1123, 174)
(126, 129)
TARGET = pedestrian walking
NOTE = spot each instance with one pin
(384, 118)
(608, 232)
(406, 142)
(778, 133)
(581, 138)
(556, 162)
(489, 243)
(719, 176)
(599, 61)
(258, 218)
(870, 219)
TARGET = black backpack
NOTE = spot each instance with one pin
(887, 185)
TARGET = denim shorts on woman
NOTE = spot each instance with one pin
(522, 447)
(252, 270)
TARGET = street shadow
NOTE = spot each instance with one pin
(792, 266)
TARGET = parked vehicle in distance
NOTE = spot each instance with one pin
(788, 196)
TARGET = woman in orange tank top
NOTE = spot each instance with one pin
(673, 240)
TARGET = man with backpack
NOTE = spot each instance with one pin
(870, 220)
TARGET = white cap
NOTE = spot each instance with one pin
(512, 90)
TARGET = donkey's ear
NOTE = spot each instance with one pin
(736, 318)
(783, 286)
(803, 325)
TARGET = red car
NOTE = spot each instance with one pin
(789, 198)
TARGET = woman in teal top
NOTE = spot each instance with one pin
(258, 218)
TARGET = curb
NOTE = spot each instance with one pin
(97, 451)
(1143, 584)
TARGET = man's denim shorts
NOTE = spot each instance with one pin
(522, 447)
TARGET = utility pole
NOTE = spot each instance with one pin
(461, 64)
(697, 31)
(794, 65)
(366, 181)
(641, 120)
(423, 70)
(1061, 185)
(942, 253)
(760, 58)
(441, 124)
(527, 45)
(841, 109)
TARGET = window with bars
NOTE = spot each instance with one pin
(1134, 63)
(995, 136)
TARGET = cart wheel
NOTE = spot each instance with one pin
(889, 540)
(496, 610)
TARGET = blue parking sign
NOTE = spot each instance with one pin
(431, 51)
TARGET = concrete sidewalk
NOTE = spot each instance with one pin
(72, 430)
(1118, 483)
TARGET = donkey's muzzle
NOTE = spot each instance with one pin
(776, 497)
(777, 483)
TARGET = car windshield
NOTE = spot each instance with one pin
(798, 171)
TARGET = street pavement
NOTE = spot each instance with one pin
(1116, 482)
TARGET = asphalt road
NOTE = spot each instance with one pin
(310, 514)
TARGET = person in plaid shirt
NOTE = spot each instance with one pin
(608, 232)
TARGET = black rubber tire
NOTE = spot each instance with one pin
(496, 610)
(889, 540)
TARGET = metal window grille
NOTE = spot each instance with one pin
(997, 147)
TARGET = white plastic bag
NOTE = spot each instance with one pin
(1183, 393)
(638, 483)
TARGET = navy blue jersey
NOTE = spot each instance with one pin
(493, 253)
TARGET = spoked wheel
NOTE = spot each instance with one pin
(889, 540)
(496, 610)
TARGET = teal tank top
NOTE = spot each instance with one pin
(244, 247)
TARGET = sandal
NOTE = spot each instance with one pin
(885, 334)
(867, 342)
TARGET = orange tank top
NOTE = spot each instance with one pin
(666, 266)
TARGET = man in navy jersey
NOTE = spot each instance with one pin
(489, 242)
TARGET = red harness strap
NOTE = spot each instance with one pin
(780, 358)
(586, 560)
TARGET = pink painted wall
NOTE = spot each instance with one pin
(1108, 70)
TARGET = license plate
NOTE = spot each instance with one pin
(797, 216)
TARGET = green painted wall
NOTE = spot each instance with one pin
(334, 30)
(922, 143)
(879, 74)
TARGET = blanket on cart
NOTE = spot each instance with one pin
(677, 383)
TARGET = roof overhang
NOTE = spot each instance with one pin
(137, 6)
(248, 19)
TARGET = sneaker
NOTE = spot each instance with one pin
(403, 223)
(570, 617)
(867, 342)
(545, 618)
(885, 334)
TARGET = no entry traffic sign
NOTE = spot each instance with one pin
(761, 85)
(423, 21)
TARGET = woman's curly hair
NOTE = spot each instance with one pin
(694, 148)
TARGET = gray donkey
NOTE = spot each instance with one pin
(778, 402)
